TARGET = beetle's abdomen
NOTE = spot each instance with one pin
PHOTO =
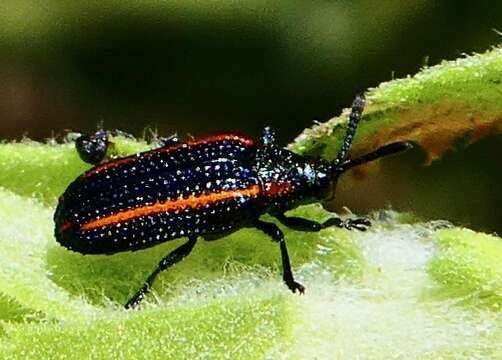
(136, 202)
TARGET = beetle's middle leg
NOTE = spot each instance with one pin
(277, 235)
(301, 224)
(172, 258)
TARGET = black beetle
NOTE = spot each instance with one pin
(207, 187)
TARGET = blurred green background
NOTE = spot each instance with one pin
(196, 67)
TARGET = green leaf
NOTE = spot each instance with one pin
(403, 289)
(241, 327)
(437, 107)
(469, 267)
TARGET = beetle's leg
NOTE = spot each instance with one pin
(172, 258)
(276, 234)
(359, 223)
(298, 223)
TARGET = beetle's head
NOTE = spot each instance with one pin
(315, 178)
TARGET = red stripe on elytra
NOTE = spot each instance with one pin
(191, 202)
(277, 188)
(245, 141)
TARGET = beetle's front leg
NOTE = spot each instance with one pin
(301, 224)
(277, 235)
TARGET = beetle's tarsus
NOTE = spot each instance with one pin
(360, 224)
(301, 224)
(296, 287)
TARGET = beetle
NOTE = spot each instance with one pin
(207, 187)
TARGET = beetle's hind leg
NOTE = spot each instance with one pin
(172, 258)
(277, 235)
(301, 224)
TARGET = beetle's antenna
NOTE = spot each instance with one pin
(385, 150)
(354, 117)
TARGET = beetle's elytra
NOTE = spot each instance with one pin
(205, 188)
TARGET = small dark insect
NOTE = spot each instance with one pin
(92, 149)
(207, 188)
